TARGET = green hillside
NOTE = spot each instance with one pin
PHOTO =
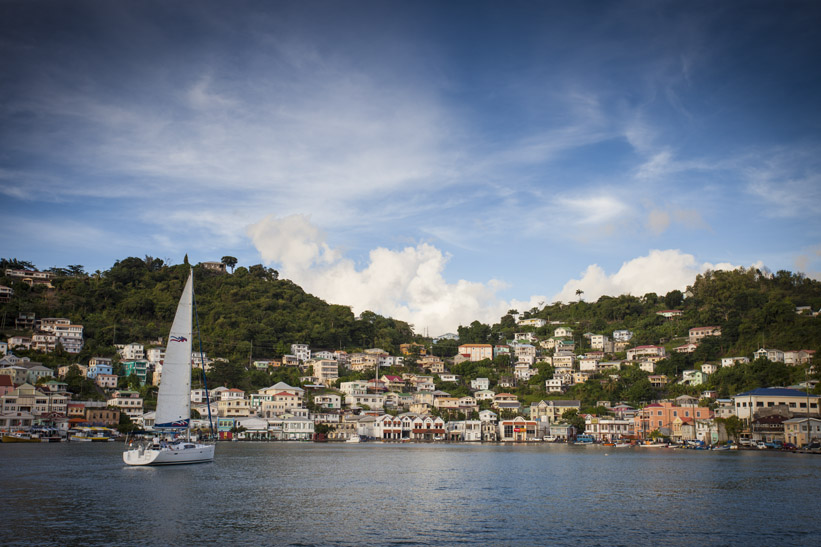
(250, 313)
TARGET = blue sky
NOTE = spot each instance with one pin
(435, 161)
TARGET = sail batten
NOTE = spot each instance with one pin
(174, 399)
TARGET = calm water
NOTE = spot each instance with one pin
(374, 494)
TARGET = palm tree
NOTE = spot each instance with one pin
(579, 293)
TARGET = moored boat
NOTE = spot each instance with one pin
(92, 434)
(19, 437)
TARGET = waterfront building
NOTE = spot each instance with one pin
(660, 416)
(16, 421)
(793, 400)
(552, 411)
(606, 428)
(464, 431)
(518, 429)
(802, 431)
(26, 398)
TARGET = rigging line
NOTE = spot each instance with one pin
(202, 360)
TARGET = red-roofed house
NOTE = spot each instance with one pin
(394, 383)
(6, 385)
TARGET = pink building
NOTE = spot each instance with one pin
(661, 415)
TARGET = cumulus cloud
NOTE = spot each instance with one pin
(407, 284)
(659, 272)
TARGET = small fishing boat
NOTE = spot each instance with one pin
(92, 434)
(19, 437)
(354, 439)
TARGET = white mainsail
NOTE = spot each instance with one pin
(174, 397)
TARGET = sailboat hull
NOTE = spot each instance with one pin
(188, 453)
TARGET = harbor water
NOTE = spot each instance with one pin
(421, 494)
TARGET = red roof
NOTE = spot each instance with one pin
(284, 393)
(5, 380)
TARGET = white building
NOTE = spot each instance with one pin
(532, 322)
(622, 335)
(480, 384)
(131, 352)
(730, 361)
(301, 351)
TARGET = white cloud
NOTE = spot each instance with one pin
(786, 181)
(658, 272)
(407, 284)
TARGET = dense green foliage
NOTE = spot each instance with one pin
(251, 314)
(248, 315)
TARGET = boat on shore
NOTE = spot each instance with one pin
(354, 439)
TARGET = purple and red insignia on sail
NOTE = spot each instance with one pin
(179, 339)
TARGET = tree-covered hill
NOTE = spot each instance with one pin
(753, 309)
(249, 313)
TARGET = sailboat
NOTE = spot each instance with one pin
(174, 399)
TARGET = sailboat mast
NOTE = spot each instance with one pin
(202, 361)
